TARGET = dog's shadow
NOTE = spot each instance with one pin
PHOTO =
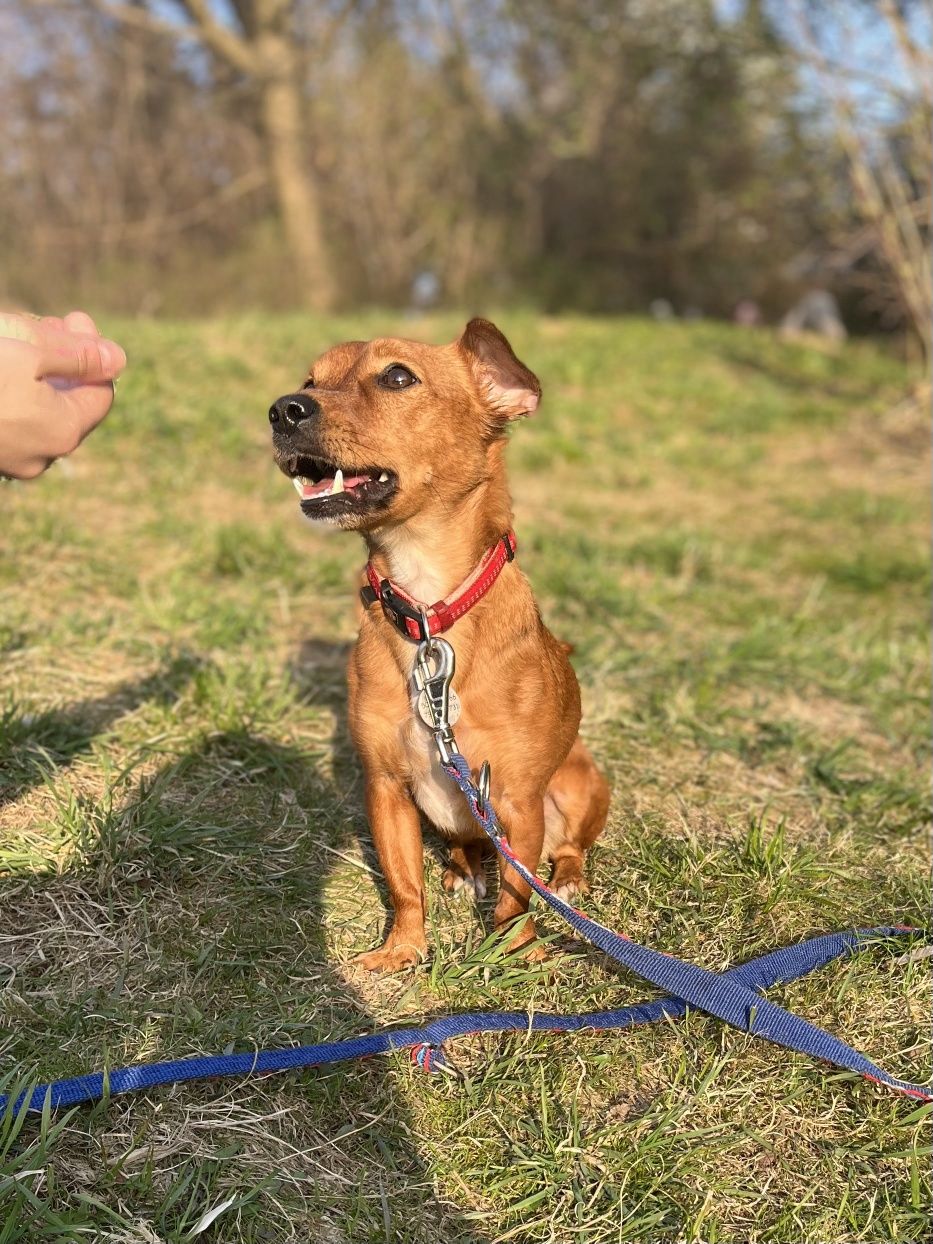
(223, 854)
(318, 671)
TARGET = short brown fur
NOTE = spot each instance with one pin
(443, 440)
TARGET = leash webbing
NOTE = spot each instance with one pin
(426, 1042)
(718, 994)
(730, 996)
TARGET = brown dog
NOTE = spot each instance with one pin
(404, 443)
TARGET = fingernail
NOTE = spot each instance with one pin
(113, 356)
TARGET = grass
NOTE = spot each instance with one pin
(733, 532)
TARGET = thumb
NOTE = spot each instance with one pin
(81, 357)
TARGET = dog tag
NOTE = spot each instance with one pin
(453, 709)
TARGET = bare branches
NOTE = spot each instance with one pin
(262, 49)
(917, 60)
(498, 145)
(887, 185)
(170, 222)
(202, 27)
(135, 17)
(221, 39)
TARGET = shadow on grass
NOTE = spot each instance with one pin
(34, 746)
(214, 873)
(318, 672)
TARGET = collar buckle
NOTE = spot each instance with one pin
(399, 612)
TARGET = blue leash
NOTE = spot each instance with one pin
(731, 996)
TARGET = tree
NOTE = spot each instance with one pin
(597, 154)
(259, 42)
(888, 160)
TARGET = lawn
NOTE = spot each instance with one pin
(733, 532)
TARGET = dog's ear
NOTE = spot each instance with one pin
(510, 389)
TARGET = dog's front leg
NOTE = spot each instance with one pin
(523, 822)
(396, 830)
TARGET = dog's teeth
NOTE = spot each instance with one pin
(337, 485)
(384, 477)
(306, 479)
(299, 485)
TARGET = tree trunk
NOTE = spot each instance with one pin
(293, 181)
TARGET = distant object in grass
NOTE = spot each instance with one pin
(747, 313)
(661, 310)
(425, 290)
(816, 314)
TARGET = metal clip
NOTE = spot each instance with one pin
(434, 685)
(482, 786)
(435, 681)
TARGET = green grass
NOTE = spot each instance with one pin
(733, 533)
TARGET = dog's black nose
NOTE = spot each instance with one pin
(293, 409)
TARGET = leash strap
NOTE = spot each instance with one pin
(426, 1042)
(721, 994)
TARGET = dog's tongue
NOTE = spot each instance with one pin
(328, 486)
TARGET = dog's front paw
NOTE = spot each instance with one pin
(393, 956)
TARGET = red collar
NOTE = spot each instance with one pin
(408, 616)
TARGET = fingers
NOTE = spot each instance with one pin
(16, 327)
(78, 356)
(87, 406)
(23, 326)
(80, 322)
(55, 387)
(69, 348)
(70, 414)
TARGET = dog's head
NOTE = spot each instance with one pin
(381, 429)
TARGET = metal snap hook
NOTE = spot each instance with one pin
(485, 776)
(438, 705)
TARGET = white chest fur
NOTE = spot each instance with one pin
(424, 577)
(433, 791)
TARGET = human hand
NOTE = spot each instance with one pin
(55, 387)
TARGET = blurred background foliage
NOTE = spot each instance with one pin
(190, 156)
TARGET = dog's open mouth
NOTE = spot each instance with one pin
(327, 490)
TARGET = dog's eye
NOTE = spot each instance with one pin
(397, 377)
